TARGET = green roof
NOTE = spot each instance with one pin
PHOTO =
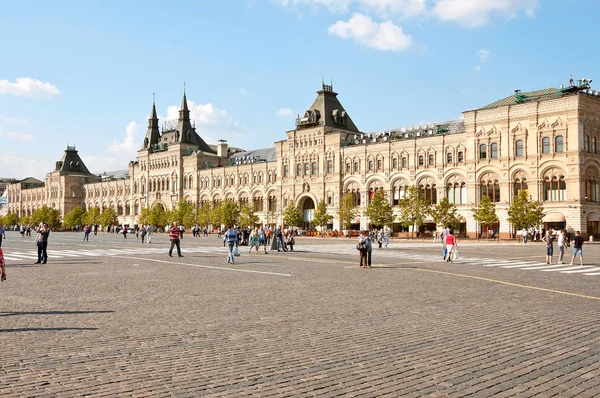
(527, 96)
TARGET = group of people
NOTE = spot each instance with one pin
(562, 238)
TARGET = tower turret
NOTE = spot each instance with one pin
(153, 134)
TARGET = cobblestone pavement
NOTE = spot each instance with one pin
(114, 318)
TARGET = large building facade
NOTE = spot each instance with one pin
(543, 141)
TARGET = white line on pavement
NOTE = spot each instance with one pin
(209, 266)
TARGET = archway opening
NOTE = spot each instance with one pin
(308, 210)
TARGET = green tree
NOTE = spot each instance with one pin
(143, 216)
(184, 213)
(93, 216)
(444, 214)
(226, 213)
(157, 215)
(25, 220)
(292, 215)
(380, 210)
(204, 216)
(525, 213)
(413, 208)
(347, 212)
(10, 219)
(247, 216)
(485, 214)
(320, 217)
(77, 216)
(109, 217)
(46, 215)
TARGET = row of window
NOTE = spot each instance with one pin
(559, 147)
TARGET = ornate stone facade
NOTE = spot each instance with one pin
(545, 142)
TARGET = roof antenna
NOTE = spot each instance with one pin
(153, 99)
(184, 87)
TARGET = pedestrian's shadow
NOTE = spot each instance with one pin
(13, 313)
(42, 329)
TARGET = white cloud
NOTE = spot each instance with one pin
(28, 87)
(477, 69)
(484, 55)
(21, 166)
(130, 144)
(245, 92)
(384, 36)
(13, 120)
(99, 164)
(284, 112)
(212, 123)
(384, 8)
(16, 136)
(478, 12)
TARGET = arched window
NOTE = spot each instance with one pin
(461, 157)
(592, 189)
(587, 143)
(429, 193)
(594, 145)
(370, 165)
(559, 144)
(546, 145)
(457, 193)
(555, 188)
(379, 164)
(404, 162)
(494, 150)
(520, 184)
(185, 182)
(356, 167)
(482, 151)
(394, 163)
(399, 193)
(449, 157)
(348, 168)
(431, 160)
(491, 189)
(519, 148)
(421, 160)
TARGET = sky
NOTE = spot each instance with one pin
(84, 73)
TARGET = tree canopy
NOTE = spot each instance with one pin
(93, 216)
(413, 208)
(525, 213)
(10, 219)
(46, 215)
(226, 213)
(109, 217)
(380, 210)
(444, 214)
(292, 215)
(77, 216)
(347, 212)
(485, 214)
(320, 216)
(248, 216)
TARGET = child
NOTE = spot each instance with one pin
(2, 266)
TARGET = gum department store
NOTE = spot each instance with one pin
(545, 141)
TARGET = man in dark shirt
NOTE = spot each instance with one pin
(577, 247)
(174, 235)
(42, 244)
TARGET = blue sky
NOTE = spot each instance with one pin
(83, 73)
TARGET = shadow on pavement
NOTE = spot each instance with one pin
(13, 313)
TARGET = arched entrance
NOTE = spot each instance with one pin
(307, 205)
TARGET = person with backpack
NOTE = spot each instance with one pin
(143, 233)
(231, 239)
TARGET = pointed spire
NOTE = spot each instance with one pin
(184, 105)
(153, 115)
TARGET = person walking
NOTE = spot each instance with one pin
(443, 236)
(525, 233)
(369, 241)
(549, 240)
(262, 238)
(450, 246)
(253, 240)
(174, 236)
(386, 237)
(149, 232)
(142, 233)
(577, 247)
(41, 240)
(2, 234)
(279, 238)
(124, 232)
(362, 248)
(562, 242)
(231, 239)
(86, 233)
